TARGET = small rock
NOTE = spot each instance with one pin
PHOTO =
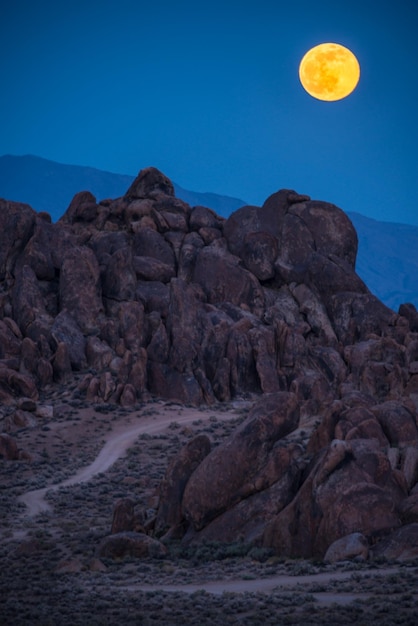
(128, 396)
(8, 448)
(96, 565)
(123, 516)
(24, 455)
(19, 419)
(70, 566)
(133, 544)
(393, 455)
(354, 546)
(29, 548)
(46, 411)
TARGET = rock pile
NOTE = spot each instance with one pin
(351, 483)
(147, 295)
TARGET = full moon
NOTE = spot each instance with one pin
(329, 71)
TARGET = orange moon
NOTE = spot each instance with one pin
(329, 72)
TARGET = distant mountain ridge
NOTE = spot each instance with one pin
(387, 259)
(50, 186)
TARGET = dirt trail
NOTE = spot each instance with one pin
(283, 584)
(118, 441)
(265, 585)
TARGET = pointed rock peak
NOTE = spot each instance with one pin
(150, 182)
(82, 207)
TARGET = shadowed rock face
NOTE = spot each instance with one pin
(156, 296)
(248, 462)
(201, 308)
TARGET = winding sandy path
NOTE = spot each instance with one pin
(118, 442)
(281, 582)
(218, 587)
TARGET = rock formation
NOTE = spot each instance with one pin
(146, 295)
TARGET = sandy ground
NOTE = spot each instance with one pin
(116, 444)
(106, 455)
(263, 585)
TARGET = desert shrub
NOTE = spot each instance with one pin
(260, 554)
(105, 408)
(216, 551)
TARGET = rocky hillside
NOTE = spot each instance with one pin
(387, 259)
(146, 295)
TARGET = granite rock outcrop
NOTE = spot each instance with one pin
(145, 294)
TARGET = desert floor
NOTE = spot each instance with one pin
(56, 509)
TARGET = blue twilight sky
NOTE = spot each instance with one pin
(208, 92)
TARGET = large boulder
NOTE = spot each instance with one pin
(66, 330)
(183, 326)
(38, 251)
(397, 422)
(296, 238)
(409, 311)
(179, 470)
(245, 463)
(154, 295)
(224, 280)
(167, 382)
(266, 219)
(202, 217)
(351, 488)
(29, 308)
(119, 277)
(247, 519)
(150, 182)
(149, 243)
(10, 339)
(14, 384)
(130, 316)
(19, 419)
(354, 546)
(80, 288)
(357, 316)
(191, 244)
(82, 208)
(149, 268)
(401, 544)
(259, 254)
(16, 226)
